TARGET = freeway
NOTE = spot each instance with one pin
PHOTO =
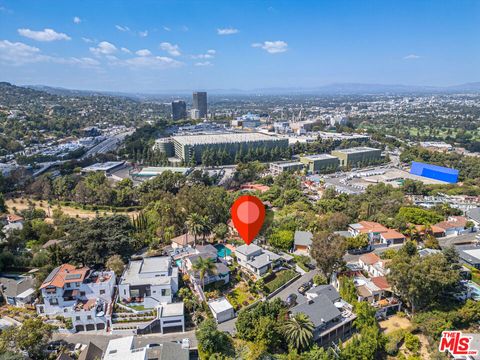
(107, 145)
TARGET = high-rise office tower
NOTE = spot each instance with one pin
(179, 110)
(200, 103)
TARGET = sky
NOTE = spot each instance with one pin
(162, 45)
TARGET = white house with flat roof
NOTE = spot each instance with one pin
(171, 315)
(123, 349)
(149, 281)
(221, 309)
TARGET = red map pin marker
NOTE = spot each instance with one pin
(248, 214)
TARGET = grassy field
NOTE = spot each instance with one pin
(23, 203)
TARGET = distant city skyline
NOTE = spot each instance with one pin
(158, 46)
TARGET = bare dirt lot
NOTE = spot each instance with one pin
(22, 204)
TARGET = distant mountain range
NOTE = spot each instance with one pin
(332, 89)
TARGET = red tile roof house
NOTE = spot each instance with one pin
(454, 225)
(372, 264)
(377, 233)
(83, 295)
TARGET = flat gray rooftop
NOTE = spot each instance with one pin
(357, 150)
(223, 138)
(319, 157)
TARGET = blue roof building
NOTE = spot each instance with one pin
(434, 172)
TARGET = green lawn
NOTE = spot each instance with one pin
(241, 296)
(280, 278)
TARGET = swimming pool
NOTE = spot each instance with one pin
(222, 250)
(179, 263)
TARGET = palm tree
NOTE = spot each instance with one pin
(298, 330)
(204, 266)
(195, 226)
(207, 228)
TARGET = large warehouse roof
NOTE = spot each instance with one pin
(356, 150)
(222, 138)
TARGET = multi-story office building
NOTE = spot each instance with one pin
(189, 148)
(357, 156)
(200, 103)
(81, 294)
(179, 110)
(320, 163)
(282, 166)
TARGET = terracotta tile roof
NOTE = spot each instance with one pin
(452, 222)
(184, 240)
(65, 274)
(435, 229)
(392, 234)
(371, 226)
(381, 282)
(370, 258)
(14, 218)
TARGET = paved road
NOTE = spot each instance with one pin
(101, 339)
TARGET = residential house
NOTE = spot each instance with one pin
(91, 352)
(149, 281)
(436, 231)
(171, 315)
(332, 320)
(372, 264)
(302, 242)
(221, 309)
(183, 241)
(469, 255)
(327, 290)
(221, 272)
(14, 222)
(377, 291)
(125, 348)
(18, 291)
(255, 259)
(84, 295)
(454, 225)
(377, 233)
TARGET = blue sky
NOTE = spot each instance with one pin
(149, 46)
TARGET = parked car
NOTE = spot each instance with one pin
(304, 287)
(291, 300)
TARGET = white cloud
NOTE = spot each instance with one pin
(122, 28)
(19, 54)
(77, 20)
(125, 50)
(185, 28)
(272, 47)
(411, 57)
(172, 49)
(210, 54)
(88, 40)
(227, 31)
(143, 52)
(143, 33)
(166, 28)
(44, 35)
(151, 62)
(104, 48)
(203, 63)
